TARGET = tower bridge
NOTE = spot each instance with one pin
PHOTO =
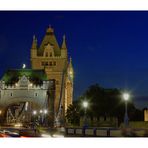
(47, 85)
(23, 91)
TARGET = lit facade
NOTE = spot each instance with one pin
(54, 60)
(25, 90)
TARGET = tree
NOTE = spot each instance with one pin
(72, 114)
(108, 102)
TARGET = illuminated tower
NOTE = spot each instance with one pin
(54, 60)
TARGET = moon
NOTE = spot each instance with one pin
(24, 66)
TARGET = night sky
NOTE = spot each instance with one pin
(108, 48)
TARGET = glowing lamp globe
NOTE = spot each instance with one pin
(126, 96)
(85, 104)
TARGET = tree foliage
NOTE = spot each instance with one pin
(109, 102)
(103, 103)
(72, 114)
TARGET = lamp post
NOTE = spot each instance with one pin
(126, 98)
(45, 113)
(85, 105)
(34, 117)
(41, 117)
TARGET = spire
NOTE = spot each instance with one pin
(70, 69)
(49, 30)
(34, 43)
(70, 63)
(64, 43)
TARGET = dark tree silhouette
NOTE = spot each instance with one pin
(72, 114)
(109, 102)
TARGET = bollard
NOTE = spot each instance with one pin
(108, 132)
(83, 131)
(74, 132)
(95, 131)
(66, 131)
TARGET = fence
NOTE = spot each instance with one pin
(106, 132)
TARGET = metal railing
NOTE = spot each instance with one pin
(106, 132)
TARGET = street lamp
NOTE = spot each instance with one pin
(126, 98)
(45, 120)
(85, 105)
(34, 117)
(45, 111)
(34, 112)
(41, 111)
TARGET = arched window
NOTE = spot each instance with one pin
(46, 54)
(50, 54)
(11, 94)
(50, 63)
(36, 94)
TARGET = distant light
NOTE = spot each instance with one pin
(26, 106)
(24, 66)
(34, 112)
(18, 125)
(45, 135)
(70, 72)
(85, 104)
(126, 96)
(0, 112)
(45, 111)
(41, 111)
(16, 84)
(57, 135)
(30, 84)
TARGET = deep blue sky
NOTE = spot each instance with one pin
(109, 48)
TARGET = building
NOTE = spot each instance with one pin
(145, 114)
(47, 85)
(23, 91)
(52, 58)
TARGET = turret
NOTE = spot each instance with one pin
(70, 70)
(64, 48)
(49, 31)
(34, 47)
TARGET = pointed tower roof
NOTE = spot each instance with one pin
(34, 43)
(50, 38)
(70, 63)
(70, 69)
(64, 43)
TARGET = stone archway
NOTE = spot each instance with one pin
(20, 110)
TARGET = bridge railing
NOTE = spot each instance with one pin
(106, 132)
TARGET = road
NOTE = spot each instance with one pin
(28, 132)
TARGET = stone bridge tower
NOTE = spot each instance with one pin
(54, 60)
